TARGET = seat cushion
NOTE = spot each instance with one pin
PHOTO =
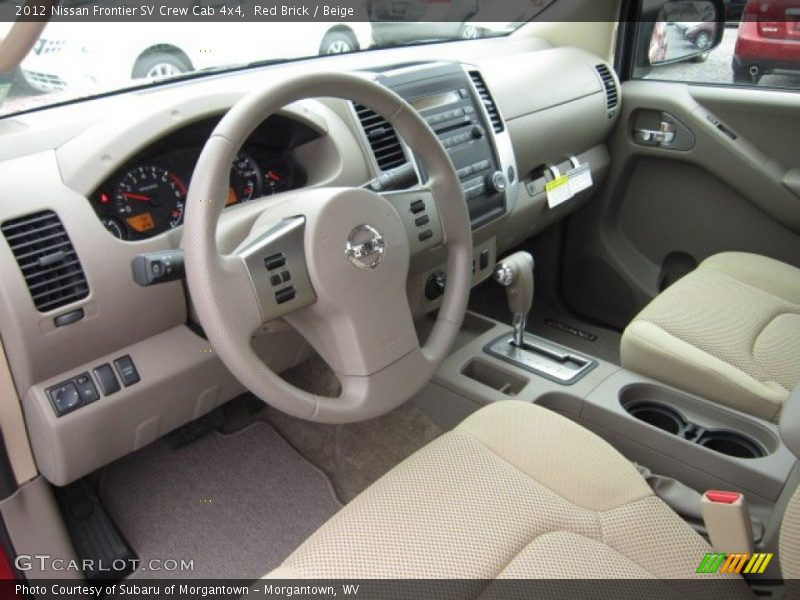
(728, 331)
(516, 491)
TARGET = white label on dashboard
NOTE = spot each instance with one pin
(558, 191)
(580, 178)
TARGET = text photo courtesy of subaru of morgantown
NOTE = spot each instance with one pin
(409, 299)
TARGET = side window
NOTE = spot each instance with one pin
(759, 45)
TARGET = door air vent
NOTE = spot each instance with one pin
(488, 101)
(47, 259)
(609, 85)
(382, 138)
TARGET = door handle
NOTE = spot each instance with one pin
(661, 137)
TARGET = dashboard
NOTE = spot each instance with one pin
(109, 178)
(147, 196)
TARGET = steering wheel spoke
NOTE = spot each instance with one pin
(276, 267)
(420, 215)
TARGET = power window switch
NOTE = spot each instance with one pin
(107, 380)
(64, 398)
(127, 370)
(86, 388)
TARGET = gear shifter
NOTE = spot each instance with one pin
(515, 273)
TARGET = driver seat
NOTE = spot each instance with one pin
(516, 491)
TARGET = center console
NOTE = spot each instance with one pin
(673, 433)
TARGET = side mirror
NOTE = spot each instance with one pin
(684, 29)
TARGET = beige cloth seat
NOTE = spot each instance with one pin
(516, 491)
(729, 331)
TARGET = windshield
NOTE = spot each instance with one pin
(78, 56)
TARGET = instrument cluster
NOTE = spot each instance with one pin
(147, 196)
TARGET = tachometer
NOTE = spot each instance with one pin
(150, 199)
(246, 180)
(278, 176)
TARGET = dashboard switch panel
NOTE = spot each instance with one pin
(127, 370)
(108, 381)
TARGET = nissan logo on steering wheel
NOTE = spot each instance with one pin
(365, 247)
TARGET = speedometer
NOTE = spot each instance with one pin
(150, 199)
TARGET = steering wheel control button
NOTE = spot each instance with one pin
(86, 388)
(423, 220)
(417, 206)
(285, 295)
(275, 261)
(127, 370)
(107, 380)
(366, 246)
(64, 398)
(275, 280)
(425, 235)
(286, 276)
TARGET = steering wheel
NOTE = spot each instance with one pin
(332, 262)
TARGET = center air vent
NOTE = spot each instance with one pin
(47, 259)
(487, 100)
(609, 85)
(382, 139)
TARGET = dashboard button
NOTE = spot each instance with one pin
(106, 378)
(86, 388)
(127, 370)
(64, 397)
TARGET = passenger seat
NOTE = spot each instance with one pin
(729, 331)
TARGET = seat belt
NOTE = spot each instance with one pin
(706, 515)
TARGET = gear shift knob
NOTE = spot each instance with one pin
(515, 273)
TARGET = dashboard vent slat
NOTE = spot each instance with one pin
(47, 259)
(609, 86)
(488, 101)
(382, 138)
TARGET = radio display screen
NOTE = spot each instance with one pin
(436, 100)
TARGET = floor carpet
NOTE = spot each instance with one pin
(237, 504)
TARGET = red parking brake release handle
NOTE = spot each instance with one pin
(721, 497)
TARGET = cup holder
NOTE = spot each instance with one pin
(666, 418)
(731, 443)
(659, 416)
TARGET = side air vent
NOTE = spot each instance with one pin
(382, 139)
(488, 101)
(610, 86)
(47, 259)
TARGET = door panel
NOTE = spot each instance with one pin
(733, 189)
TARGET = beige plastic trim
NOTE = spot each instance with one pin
(12, 424)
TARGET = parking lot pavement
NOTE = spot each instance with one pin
(717, 69)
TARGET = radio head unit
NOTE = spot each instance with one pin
(455, 102)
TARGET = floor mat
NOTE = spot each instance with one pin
(356, 455)
(549, 323)
(237, 504)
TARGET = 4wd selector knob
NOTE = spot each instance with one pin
(497, 181)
